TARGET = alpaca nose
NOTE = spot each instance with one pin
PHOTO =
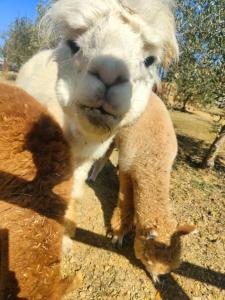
(109, 70)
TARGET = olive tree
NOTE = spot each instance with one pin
(200, 72)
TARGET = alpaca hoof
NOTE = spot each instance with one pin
(67, 244)
(109, 234)
(117, 241)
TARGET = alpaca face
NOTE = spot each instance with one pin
(158, 257)
(107, 86)
(107, 64)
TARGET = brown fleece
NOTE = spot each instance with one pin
(146, 153)
(35, 173)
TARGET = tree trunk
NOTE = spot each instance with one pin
(183, 109)
(5, 70)
(5, 66)
(209, 160)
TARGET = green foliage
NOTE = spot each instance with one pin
(18, 47)
(38, 38)
(22, 40)
(200, 73)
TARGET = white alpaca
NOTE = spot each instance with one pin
(100, 77)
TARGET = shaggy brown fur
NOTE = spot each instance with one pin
(146, 153)
(35, 173)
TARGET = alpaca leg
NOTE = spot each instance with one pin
(65, 286)
(79, 177)
(98, 166)
(100, 163)
(123, 215)
(70, 217)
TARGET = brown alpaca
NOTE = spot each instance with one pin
(146, 153)
(35, 173)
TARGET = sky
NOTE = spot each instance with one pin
(10, 9)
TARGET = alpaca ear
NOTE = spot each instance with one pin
(151, 235)
(171, 52)
(148, 234)
(186, 229)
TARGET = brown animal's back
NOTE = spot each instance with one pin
(146, 152)
(151, 136)
(35, 173)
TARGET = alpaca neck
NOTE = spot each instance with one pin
(153, 207)
(84, 147)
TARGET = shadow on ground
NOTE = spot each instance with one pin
(192, 151)
(5, 274)
(168, 287)
(107, 184)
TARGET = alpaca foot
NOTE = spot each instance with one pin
(117, 240)
(67, 244)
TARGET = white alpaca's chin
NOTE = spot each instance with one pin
(100, 118)
(96, 122)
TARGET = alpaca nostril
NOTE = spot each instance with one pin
(95, 74)
(110, 70)
(118, 80)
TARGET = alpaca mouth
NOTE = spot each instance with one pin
(96, 111)
(99, 117)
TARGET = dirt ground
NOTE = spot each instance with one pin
(198, 197)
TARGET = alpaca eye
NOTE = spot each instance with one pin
(149, 61)
(73, 46)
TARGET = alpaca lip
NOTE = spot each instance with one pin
(97, 110)
(98, 117)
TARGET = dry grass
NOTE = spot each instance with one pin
(196, 131)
